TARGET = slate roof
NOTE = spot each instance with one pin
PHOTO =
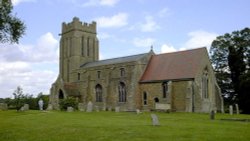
(174, 66)
(125, 59)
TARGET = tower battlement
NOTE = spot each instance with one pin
(76, 24)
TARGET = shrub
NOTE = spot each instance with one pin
(68, 102)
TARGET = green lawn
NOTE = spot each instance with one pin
(123, 126)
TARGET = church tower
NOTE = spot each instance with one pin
(78, 45)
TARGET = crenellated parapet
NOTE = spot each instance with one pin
(76, 24)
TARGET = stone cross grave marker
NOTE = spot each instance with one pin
(155, 120)
(89, 106)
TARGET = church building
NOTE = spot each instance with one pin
(181, 81)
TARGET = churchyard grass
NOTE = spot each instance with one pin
(122, 126)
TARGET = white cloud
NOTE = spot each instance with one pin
(143, 42)
(118, 20)
(150, 25)
(29, 66)
(163, 12)
(167, 48)
(100, 3)
(16, 2)
(45, 50)
(199, 38)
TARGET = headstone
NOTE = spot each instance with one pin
(138, 111)
(97, 108)
(3, 106)
(90, 106)
(231, 109)
(212, 114)
(155, 120)
(26, 107)
(110, 109)
(117, 109)
(81, 107)
(104, 107)
(50, 107)
(22, 108)
(40, 103)
(70, 109)
(237, 109)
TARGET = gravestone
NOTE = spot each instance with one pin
(26, 107)
(40, 103)
(231, 109)
(70, 109)
(212, 114)
(117, 109)
(138, 111)
(89, 106)
(3, 106)
(97, 108)
(104, 107)
(110, 109)
(155, 120)
(81, 107)
(50, 107)
(237, 109)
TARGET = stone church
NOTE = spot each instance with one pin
(181, 81)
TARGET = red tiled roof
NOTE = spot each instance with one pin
(173, 66)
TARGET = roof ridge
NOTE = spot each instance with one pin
(118, 58)
(188, 50)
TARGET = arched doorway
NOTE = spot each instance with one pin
(60, 94)
(156, 99)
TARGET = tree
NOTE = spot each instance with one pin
(18, 98)
(230, 56)
(11, 28)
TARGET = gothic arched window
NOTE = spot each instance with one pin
(204, 84)
(122, 92)
(98, 91)
(165, 89)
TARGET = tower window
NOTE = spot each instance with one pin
(165, 89)
(98, 74)
(88, 48)
(122, 71)
(82, 52)
(78, 76)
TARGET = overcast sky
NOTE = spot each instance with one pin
(125, 27)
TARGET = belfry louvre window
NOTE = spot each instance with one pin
(98, 74)
(164, 89)
(122, 72)
(98, 91)
(122, 92)
(78, 76)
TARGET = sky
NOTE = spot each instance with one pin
(124, 27)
